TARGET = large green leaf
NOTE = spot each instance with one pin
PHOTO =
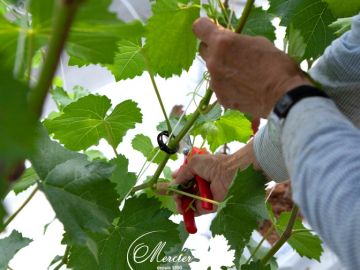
(86, 121)
(123, 179)
(129, 60)
(244, 209)
(79, 191)
(304, 242)
(141, 222)
(144, 145)
(344, 8)
(49, 154)
(312, 18)
(259, 24)
(170, 44)
(232, 126)
(82, 197)
(9, 246)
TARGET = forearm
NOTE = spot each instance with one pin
(319, 147)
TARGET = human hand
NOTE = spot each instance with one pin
(218, 169)
(247, 73)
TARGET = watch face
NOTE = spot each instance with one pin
(284, 105)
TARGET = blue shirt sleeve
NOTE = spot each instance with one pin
(321, 152)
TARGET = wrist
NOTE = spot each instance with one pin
(285, 86)
(244, 157)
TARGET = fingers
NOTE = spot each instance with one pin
(198, 165)
(204, 28)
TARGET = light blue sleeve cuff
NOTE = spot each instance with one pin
(269, 156)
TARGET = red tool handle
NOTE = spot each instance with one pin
(188, 214)
(203, 185)
(205, 192)
(200, 186)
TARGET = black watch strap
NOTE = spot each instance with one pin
(287, 101)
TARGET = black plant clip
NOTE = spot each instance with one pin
(162, 144)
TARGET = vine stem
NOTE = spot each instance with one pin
(192, 196)
(13, 216)
(245, 15)
(260, 243)
(153, 82)
(64, 260)
(61, 28)
(284, 237)
(175, 141)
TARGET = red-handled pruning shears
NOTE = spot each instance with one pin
(198, 187)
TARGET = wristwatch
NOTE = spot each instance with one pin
(281, 109)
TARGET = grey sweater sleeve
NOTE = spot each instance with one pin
(338, 71)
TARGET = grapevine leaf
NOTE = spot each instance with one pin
(28, 179)
(144, 145)
(255, 266)
(165, 6)
(80, 92)
(129, 60)
(341, 25)
(259, 24)
(170, 43)
(78, 190)
(123, 179)
(213, 115)
(305, 243)
(297, 46)
(244, 209)
(232, 126)
(61, 98)
(345, 8)
(166, 201)
(312, 18)
(84, 122)
(92, 39)
(9, 246)
(17, 122)
(162, 126)
(140, 217)
(83, 198)
(49, 154)
(95, 155)
(8, 40)
(55, 260)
